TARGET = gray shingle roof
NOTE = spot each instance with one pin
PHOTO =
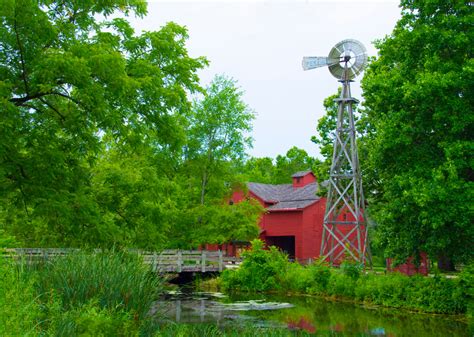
(285, 196)
(301, 174)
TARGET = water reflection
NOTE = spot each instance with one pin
(307, 313)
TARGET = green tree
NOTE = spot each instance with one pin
(259, 170)
(419, 99)
(324, 137)
(67, 78)
(294, 161)
(217, 135)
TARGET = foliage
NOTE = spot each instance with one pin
(198, 330)
(418, 98)
(269, 270)
(116, 281)
(351, 268)
(107, 294)
(92, 320)
(72, 82)
(467, 282)
(7, 241)
(19, 309)
(217, 134)
(227, 223)
(260, 270)
(279, 171)
(137, 204)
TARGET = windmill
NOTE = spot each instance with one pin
(345, 226)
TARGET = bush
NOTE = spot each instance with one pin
(466, 282)
(269, 270)
(295, 277)
(351, 269)
(19, 310)
(320, 274)
(341, 285)
(92, 320)
(261, 270)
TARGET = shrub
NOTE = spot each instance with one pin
(320, 274)
(19, 310)
(351, 268)
(261, 270)
(296, 278)
(466, 282)
(92, 320)
(264, 270)
(341, 285)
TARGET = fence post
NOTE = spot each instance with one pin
(180, 261)
(203, 261)
(221, 262)
(155, 262)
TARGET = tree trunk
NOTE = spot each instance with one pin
(203, 186)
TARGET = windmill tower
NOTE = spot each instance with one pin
(345, 225)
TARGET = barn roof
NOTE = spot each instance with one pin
(301, 174)
(285, 196)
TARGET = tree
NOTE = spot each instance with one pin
(294, 161)
(259, 170)
(419, 99)
(324, 138)
(217, 134)
(67, 79)
(279, 171)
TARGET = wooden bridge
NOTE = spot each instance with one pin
(166, 261)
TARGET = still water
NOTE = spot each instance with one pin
(314, 315)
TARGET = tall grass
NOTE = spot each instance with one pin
(205, 330)
(19, 310)
(115, 281)
(105, 294)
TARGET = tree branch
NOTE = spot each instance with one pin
(54, 109)
(22, 59)
(19, 101)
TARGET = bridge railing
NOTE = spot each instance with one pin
(169, 260)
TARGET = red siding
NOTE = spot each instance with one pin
(303, 181)
(409, 268)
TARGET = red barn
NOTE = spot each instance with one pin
(294, 218)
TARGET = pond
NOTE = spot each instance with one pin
(315, 315)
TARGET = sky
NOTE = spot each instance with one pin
(260, 44)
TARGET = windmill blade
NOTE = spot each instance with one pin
(311, 62)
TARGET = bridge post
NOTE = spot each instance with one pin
(221, 262)
(180, 261)
(203, 261)
(155, 262)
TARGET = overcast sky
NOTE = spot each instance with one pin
(261, 43)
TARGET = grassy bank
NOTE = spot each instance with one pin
(269, 270)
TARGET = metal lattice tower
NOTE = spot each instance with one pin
(345, 226)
